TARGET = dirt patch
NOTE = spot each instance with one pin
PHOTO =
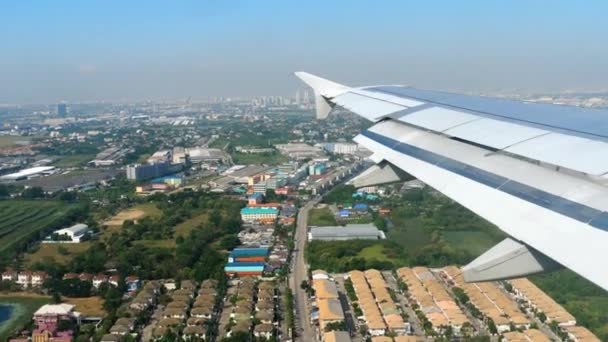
(90, 306)
(127, 214)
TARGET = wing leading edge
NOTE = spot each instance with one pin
(542, 184)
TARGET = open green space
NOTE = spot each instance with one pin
(343, 256)
(24, 220)
(61, 253)
(381, 252)
(259, 158)
(73, 160)
(9, 141)
(23, 308)
(184, 228)
(321, 217)
(474, 242)
(408, 232)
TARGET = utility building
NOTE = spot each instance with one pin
(349, 232)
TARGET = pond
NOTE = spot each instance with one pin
(6, 310)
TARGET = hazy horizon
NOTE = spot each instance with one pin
(115, 51)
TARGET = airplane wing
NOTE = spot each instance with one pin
(537, 171)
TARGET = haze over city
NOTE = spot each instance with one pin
(115, 50)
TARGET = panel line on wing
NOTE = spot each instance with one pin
(563, 206)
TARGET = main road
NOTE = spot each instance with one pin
(304, 330)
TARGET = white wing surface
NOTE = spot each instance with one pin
(537, 171)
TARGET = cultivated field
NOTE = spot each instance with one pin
(22, 218)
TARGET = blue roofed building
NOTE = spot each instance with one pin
(248, 255)
(360, 207)
(344, 213)
(255, 198)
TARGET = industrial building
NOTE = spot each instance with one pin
(76, 233)
(29, 173)
(248, 255)
(148, 171)
(244, 268)
(299, 150)
(110, 156)
(365, 231)
(259, 214)
(199, 155)
(341, 148)
(162, 156)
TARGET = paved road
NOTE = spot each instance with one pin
(304, 330)
(404, 303)
(347, 307)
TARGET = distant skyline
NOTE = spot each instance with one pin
(136, 50)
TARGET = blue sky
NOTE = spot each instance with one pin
(128, 50)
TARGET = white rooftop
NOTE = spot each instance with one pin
(28, 172)
(55, 309)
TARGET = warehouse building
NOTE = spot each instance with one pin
(242, 269)
(149, 171)
(248, 255)
(259, 214)
(75, 233)
(349, 232)
(28, 173)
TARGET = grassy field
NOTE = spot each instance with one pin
(409, 233)
(475, 242)
(24, 305)
(22, 218)
(74, 160)
(378, 252)
(184, 228)
(321, 217)
(51, 251)
(259, 158)
(9, 141)
(89, 306)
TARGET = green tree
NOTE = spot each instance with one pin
(33, 193)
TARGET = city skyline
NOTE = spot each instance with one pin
(108, 51)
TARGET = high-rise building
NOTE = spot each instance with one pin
(62, 109)
(143, 172)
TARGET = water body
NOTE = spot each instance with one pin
(6, 311)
